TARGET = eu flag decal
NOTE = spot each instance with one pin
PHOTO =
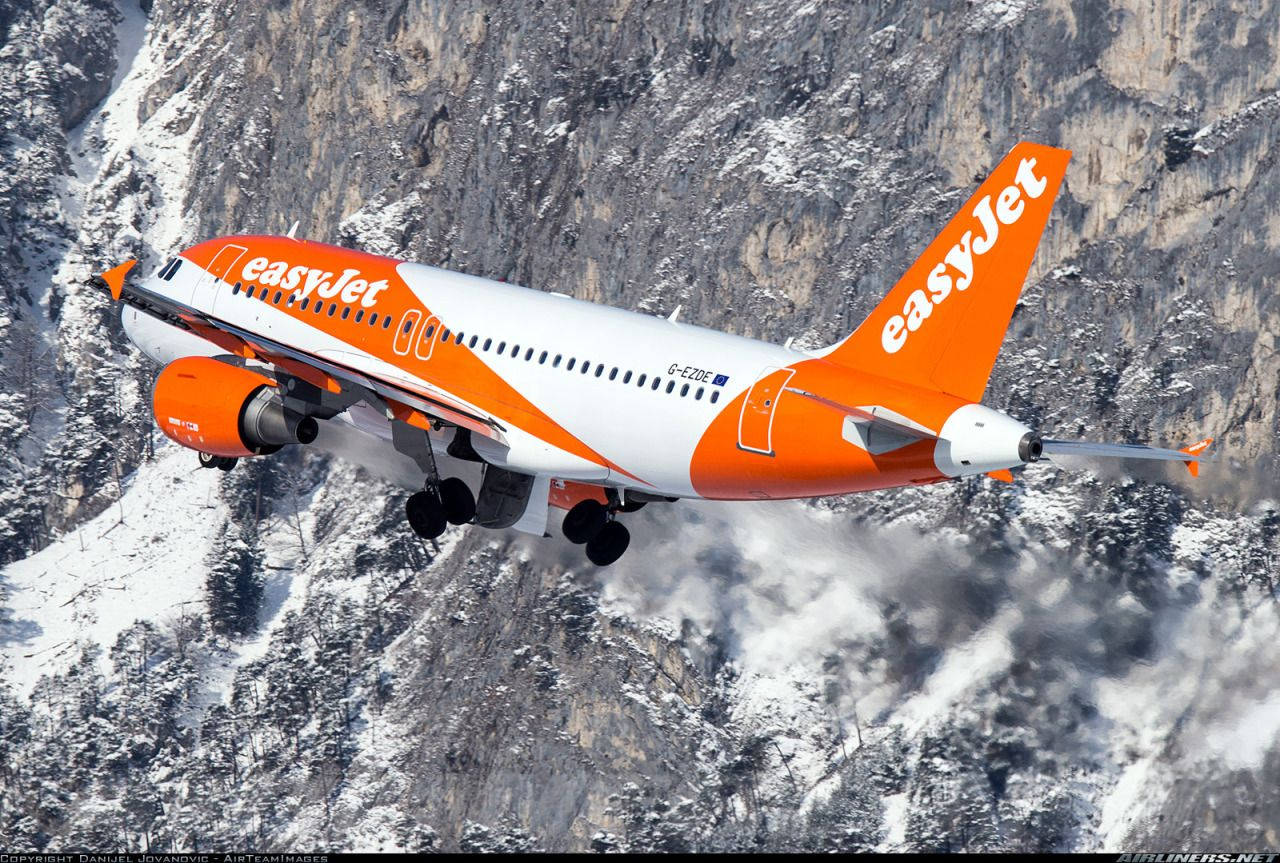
(720, 380)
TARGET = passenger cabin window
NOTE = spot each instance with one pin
(657, 381)
(502, 347)
(303, 304)
(542, 358)
(626, 379)
(684, 391)
(235, 289)
(333, 307)
(265, 291)
(614, 373)
(359, 315)
(487, 343)
(599, 369)
(275, 301)
(671, 385)
(569, 365)
(556, 363)
(386, 321)
(346, 311)
(528, 354)
(373, 318)
(640, 382)
(715, 396)
(698, 395)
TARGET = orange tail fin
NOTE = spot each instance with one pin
(942, 324)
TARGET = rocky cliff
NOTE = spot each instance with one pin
(1081, 660)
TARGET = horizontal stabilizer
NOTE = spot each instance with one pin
(1190, 456)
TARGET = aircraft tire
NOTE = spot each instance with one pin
(458, 501)
(425, 514)
(209, 460)
(608, 544)
(584, 521)
(226, 463)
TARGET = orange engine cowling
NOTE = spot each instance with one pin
(225, 410)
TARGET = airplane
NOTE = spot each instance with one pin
(589, 409)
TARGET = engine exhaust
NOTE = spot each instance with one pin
(1031, 447)
(266, 424)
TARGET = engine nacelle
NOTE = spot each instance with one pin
(225, 410)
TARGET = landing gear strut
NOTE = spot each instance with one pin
(608, 544)
(442, 502)
(458, 501)
(592, 523)
(584, 521)
(432, 510)
(221, 462)
(426, 514)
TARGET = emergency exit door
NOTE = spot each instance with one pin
(755, 425)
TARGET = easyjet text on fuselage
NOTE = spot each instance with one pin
(348, 287)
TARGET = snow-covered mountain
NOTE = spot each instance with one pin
(268, 659)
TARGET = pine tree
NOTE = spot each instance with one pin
(233, 586)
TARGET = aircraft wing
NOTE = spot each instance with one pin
(414, 404)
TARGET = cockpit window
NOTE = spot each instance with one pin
(168, 270)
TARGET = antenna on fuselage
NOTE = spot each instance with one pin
(293, 230)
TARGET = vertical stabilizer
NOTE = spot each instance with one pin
(942, 324)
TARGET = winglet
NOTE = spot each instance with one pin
(1197, 450)
(114, 277)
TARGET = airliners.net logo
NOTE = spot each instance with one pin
(1246, 857)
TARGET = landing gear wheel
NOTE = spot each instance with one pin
(458, 501)
(584, 521)
(608, 544)
(209, 460)
(425, 514)
(227, 463)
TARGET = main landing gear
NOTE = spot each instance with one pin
(592, 523)
(432, 510)
(221, 462)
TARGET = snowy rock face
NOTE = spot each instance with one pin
(269, 660)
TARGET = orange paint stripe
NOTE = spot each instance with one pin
(452, 368)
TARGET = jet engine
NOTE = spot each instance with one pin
(225, 410)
